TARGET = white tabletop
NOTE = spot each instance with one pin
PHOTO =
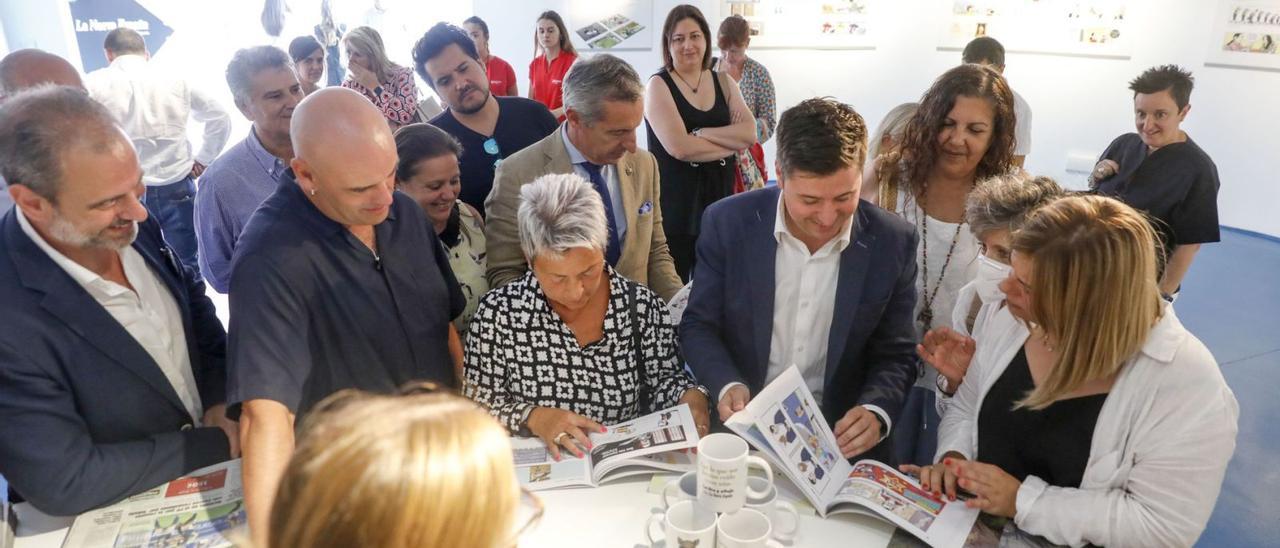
(610, 516)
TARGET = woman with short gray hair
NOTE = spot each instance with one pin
(572, 345)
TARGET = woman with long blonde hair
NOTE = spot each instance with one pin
(1089, 414)
(387, 85)
(422, 469)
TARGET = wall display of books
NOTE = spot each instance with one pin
(1067, 27)
(1245, 34)
(805, 24)
(598, 25)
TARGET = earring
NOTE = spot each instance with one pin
(313, 191)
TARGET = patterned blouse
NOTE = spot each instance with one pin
(758, 93)
(466, 245)
(520, 355)
(399, 98)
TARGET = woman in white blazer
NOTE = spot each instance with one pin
(1125, 427)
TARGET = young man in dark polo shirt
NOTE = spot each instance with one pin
(1160, 171)
(337, 282)
(489, 128)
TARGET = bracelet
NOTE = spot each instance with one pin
(942, 383)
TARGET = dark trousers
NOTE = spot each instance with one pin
(915, 432)
(173, 205)
(681, 247)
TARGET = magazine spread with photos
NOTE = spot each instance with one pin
(785, 424)
(657, 441)
(200, 509)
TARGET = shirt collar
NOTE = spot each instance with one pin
(272, 165)
(780, 227)
(1165, 337)
(82, 276)
(575, 155)
(129, 61)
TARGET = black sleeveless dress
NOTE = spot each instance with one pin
(689, 187)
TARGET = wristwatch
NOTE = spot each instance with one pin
(942, 383)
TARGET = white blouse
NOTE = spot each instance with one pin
(1159, 451)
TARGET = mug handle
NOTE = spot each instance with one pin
(666, 493)
(648, 527)
(788, 535)
(768, 473)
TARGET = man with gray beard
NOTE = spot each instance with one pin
(112, 360)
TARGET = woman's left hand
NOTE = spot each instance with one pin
(700, 408)
(363, 76)
(996, 492)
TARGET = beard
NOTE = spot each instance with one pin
(64, 231)
(463, 109)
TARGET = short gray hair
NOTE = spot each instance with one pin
(39, 125)
(558, 212)
(249, 61)
(599, 78)
(893, 125)
(1005, 201)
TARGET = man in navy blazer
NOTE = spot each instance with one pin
(805, 275)
(112, 375)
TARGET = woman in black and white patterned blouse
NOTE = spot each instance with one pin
(554, 354)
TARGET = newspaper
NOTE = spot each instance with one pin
(785, 424)
(8, 519)
(657, 441)
(201, 509)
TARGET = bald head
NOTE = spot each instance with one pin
(344, 155)
(27, 68)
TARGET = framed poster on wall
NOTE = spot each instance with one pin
(1245, 35)
(804, 24)
(602, 25)
(1096, 28)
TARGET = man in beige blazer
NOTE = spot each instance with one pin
(604, 104)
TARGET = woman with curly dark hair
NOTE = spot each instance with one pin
(962, 133)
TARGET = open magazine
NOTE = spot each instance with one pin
(657, 441)
(200, 509)
(785, 424)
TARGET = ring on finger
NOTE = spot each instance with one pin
(560, 436)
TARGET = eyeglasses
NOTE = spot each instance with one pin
(530, 510)
(491, 147)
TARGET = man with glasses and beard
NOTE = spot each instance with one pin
(489, 128)
(112, 360)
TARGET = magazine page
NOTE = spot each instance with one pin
(901, 500)
(626, 442)
(537, 470)
(680, 461)
(202, 509)
(797, 435)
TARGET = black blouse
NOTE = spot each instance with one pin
(520, 354)
(1051, 444)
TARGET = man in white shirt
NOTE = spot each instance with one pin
(805, 275)
(985, 50)
(112, 360)
(153, 108)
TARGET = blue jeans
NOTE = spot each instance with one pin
(173, 205)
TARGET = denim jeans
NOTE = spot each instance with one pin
(173, 205)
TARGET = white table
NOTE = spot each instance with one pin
(610, 516)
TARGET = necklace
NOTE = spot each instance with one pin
(926, 312)
(686, 82)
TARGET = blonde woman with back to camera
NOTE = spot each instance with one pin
(421, 469)
(1089, 415)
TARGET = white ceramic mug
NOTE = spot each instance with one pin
(745, 528)
(684, 524)
(722, 472)
(684, 487)
(772, 508)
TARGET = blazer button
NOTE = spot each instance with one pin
(186, 427)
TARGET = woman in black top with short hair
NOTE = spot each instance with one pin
(696, 122)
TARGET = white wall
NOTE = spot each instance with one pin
(1079, 104)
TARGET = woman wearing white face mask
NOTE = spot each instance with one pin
(995, 209)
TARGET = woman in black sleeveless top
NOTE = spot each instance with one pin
(694, 130)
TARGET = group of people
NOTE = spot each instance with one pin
(983, 328)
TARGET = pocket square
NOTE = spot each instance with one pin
(645, 208)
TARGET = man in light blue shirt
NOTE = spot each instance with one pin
(266, 91)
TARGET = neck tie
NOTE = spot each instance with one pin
(614, 250)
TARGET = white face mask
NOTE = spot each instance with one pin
(990, 274)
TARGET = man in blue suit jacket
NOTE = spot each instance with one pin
(805, 275)
(112, 375)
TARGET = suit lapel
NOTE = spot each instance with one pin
(71, 304)
(630, 195)
(761, 261)
(163, 261)
(853, 271)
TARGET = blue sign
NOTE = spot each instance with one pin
(93, 19)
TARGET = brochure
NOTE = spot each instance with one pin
(658, 441)
(201, 509)
(785, 424)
